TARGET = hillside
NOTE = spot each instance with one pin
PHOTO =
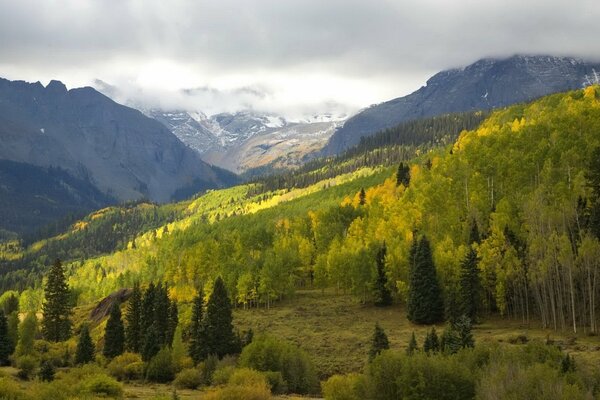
(483, 85)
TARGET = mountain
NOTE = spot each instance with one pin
(123, 153)
(488, 83)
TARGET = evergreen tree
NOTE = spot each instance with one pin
(11, 305)
(173, 322)
(469, 285)
(463, 328)
(432, 343)
(383, 297)
(6, 348)
(56, 324)
(425, 304)
(474, 236)
(147, 314)
(412, 345)
(362, 197)
(13, 329)
(47, 371)
(220, 337)
(379, 342)
(161, 313)
(150, 345)
(134, 324)
(85, 347)
(403, 175)
(450, 342)
(197, 349)
(114, 333)
(567, 364)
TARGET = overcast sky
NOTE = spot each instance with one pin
(285, 56)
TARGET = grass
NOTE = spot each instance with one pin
(335, 330)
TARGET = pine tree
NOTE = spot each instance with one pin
(56, 324)
(6, 347)
(450, 342)
(412, 345)
(13, 329)
(362, 197)
(425, 304)
(383, 297)
(474, 237)
(469, 285)
(47, 371)
(403, 175)
(197, 349)
(85, 347)
(114, 333)
(379, 342)
(134, 324)
(173, 322)
(220, 337)
(432, 342)
(11, 305)
(147, 316)
(161, 313)
(463, 328)
(150, 345)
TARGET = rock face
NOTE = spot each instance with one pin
(125, 154)
(486, 84)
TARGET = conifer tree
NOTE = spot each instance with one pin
(463, 328)
(161, 313)
(13, 329)
(173, 322)
(11, 305)
(469, 285)
(450, 342)
(47, 371)
(379, 342)
(150, 345)
(362, 197)
(85, 347)
(383, 297)
(114, 333)
(432, 343)
(6, 348)
(56, 324)
(403, 175)
(412, 345)
(134, 324)
(474, 236)
(220, 337)
(425, 304)
(147, 316)
(197, 349)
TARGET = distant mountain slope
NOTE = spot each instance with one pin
(486, 84)
(122, 152)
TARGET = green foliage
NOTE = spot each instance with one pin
(412, 345)
(379, 342)
(126, 367)
(56, 322)
(382, 294)
(403, 175)
(6, 345)
(345, 387)
(425, 304)
(189, 378)
(47, 371)
(27, 332)
(218, 323)
(198, 344)
(470, 285)
(151, 345)
(85, 347)
(133, 332)
(114, 333)
(103, 385)
(269, 354)
(27, 366)
(10, 390)
(432, 343)
(160, 368)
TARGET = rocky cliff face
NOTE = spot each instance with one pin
(486, 84)
(122, 152)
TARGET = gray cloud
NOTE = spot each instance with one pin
(341, 51)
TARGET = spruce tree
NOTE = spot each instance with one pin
(161, 313)
(432, 342)
(383, 297)
(474, 236)
(403, 175)
(220, 337)
(173, 322)
(362, 197)
(412, 345)
(56, 324)
(147, 316)
(47, 371)
(469, 285)
(11, 305)
(150, 345)
(133, 332)
(197, 349)
(425, 304)
(13, 329)
(463, 328)
(85, 347)
(6, 348)
(114, 333)
(379, 342)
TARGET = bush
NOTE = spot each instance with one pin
(240, 393)
(208, 368)
(9, 390)
(102, 384)
(51, 391)
(345, 387)
(46, 371)
(189, 378)
(222, 375)
(27, 366)
(268, 354)
(126, 367)
(276, 382)
(160, 368)
(247, 377)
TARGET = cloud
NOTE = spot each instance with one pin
(298, 52)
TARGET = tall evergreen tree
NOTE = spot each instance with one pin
(474, 236)
(412, 345)
(150, 344)
(463, 327)
(383, 297)
(469, 285)
(114, 333)
(197, 348)
(11, 305)
(56, 324)
(362, 197)
(134, 324)
(425, 304)
(432, 342)
(6, 347)
(161, 313)
(173, 322)
(147, 315)
(403, 175)
(220, 337)
(379, 342)
(85, 347)
(13, 329)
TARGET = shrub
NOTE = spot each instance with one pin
(208, 368)
(127, 366)
(160, 368)
(56, 390)
(101, 384)
(276, 382)
(46, 371)
(240, 393)
(27, 365)
(9, 390)
(222, 375)
(268, 354)
(247, 377)
(189, 378)
(345, 387)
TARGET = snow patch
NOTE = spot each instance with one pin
(42, 130)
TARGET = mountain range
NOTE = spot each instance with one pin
(486, 84)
